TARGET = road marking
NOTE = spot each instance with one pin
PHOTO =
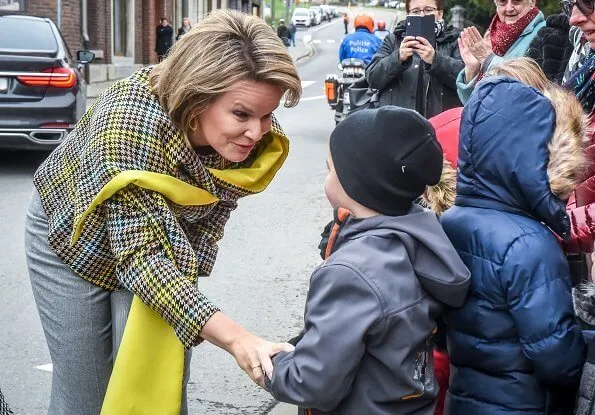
(313, 98)
(326, 25)
(330, 41)
(317, 41)
(46, 368)
(307, 83)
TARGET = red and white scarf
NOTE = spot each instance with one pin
(503, 35)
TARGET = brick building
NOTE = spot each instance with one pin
(120, 32)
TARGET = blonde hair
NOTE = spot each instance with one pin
(225, 48)
(524, 69)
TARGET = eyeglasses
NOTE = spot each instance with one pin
(503, 3)
(586, 7)
(425, 11)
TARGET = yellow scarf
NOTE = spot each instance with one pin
(148, 371)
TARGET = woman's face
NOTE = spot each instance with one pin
(236, 121)
(585, 23)
(426, 7)
(509, 11)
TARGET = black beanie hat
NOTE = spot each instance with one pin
(385, 158)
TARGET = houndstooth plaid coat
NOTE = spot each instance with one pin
(4, 409)
(138, 239)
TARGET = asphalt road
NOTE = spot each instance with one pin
(262, 272)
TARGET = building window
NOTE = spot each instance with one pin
(120, 20)
(123, 27)
(12, 5)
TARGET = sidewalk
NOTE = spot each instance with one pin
(300, 51)
(303, 48)
(284, 409)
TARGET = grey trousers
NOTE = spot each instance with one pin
(83, 324)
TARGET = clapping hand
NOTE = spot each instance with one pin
(477, 45)
(472, 64)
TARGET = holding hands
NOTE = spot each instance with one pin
(418, 45)
(253, 354)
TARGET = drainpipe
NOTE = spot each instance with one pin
(84, 24)
(59, 13)
(85, 34)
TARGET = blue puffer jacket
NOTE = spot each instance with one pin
(361, 44)
(514, 343)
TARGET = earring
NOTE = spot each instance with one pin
(191, 124)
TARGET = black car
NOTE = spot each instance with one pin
(42, 89)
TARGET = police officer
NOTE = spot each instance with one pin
(361, 44)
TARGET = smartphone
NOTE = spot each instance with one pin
(421, 26)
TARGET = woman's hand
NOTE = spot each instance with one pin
(424, 50)
(476, 44)
(406, 48)
(252, 353)
(472, 65)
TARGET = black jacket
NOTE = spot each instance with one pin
(551, 48)
(584, 308)
(283, 32)
(164, 39)
(398, 82)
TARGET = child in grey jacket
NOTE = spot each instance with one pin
(366, 347)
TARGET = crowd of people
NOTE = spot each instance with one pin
(462, 238)
(513, 111)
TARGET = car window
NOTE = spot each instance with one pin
(300, 12)
(26, 34)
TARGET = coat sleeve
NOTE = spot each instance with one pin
(340, 309)
(385, 66)
(536, 278)
(581, 224)
(447, 67)
(581, 209)
(342, 52)
(146, 264)
(465, 88)
(535, 50)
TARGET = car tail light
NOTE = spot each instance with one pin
(51, 77)
(56, 125)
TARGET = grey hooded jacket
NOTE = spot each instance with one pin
(370, 318)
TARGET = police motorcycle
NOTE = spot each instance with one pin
(337, 87)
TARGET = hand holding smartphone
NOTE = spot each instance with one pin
(422, 26)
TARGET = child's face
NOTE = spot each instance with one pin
(332, 187)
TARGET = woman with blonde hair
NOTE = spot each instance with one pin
(136, 199)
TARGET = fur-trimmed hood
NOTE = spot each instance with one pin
(547, 135)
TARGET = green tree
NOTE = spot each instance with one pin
(479, 13)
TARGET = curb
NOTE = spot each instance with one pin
(310, 46)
